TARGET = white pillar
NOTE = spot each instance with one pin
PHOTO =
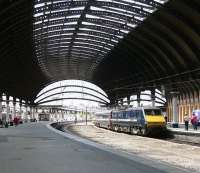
(31, 112)
(14, 110)
(1, 106)
(34, 112)
(26, 112)
(62, 114)
(20, 109)
(7, 108)
(175, 109)
(86, 118)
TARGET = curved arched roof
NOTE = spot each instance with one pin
(117, 44)
(163, 50)
(73, 37)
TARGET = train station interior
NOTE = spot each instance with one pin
(116, 54)
(123, 47)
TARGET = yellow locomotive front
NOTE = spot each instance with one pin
(154, 118)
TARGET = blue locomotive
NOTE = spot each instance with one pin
(141, 120)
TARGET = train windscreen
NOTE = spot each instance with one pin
(154, 112)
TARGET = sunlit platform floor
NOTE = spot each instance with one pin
(181, 130)
(33, 148)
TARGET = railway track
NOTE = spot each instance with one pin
(185, 142)
(167, 136)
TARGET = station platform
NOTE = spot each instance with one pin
(181, 130)
(34, 147)
(183, 136)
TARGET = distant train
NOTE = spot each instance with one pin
(141, 120)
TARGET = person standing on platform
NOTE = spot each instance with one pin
(194, 121)
(16, 121)
(75, 120)
(186, 120)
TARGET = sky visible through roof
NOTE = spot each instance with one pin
(72, 37)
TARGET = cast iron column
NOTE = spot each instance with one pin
(174, 109)
(7, 108)
(31, 112)
(20, 108)
(1, 106)
(128, 100)
(14, 107)
(138, 99)
(153, 97)
(26, 111)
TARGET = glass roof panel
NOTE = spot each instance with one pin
(62, 26)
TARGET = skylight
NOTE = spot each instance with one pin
(61, 26)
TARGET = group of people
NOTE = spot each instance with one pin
(4, 123)
(194, 121)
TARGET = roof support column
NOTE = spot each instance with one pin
(174, 109)
(153, 97)
(26, 111)
(113, 101)
(14, 108)
(62, 113)
(34, 112)
(121, 102)
(1, 106)
(138, 99)
(31, 113)
(7, 108)
(20, 107)
(128, 100)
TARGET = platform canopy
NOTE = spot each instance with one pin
(120, 45)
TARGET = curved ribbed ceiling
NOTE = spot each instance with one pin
(118, 45)
(163, 51)
(72, 37)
